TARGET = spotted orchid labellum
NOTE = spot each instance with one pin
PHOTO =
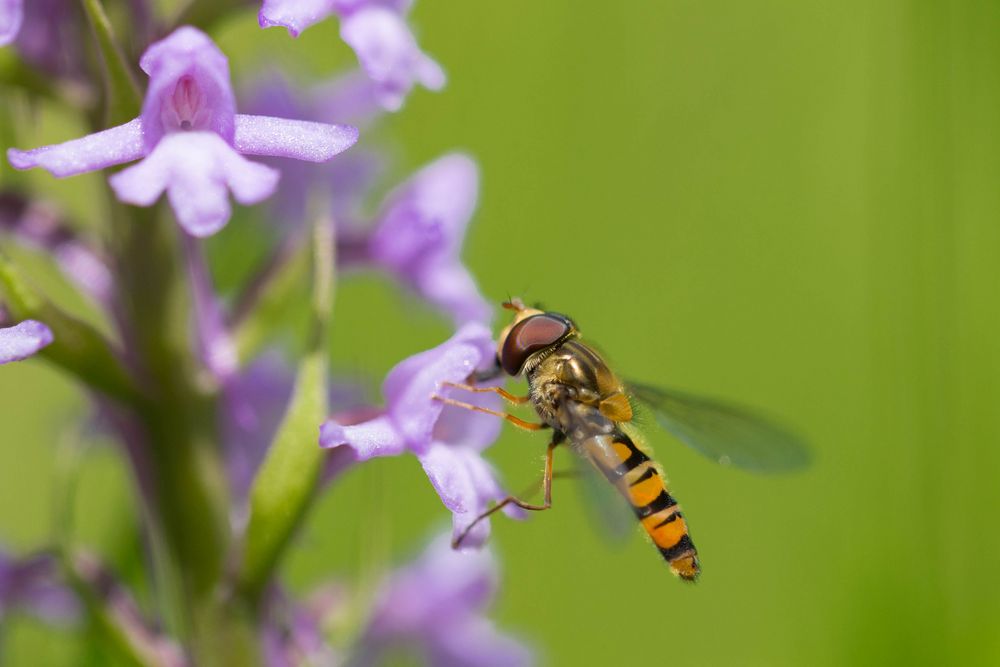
(220, 401)
(191, 140)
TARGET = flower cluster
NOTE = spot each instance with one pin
(231, 439)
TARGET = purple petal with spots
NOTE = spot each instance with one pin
(197, 170)
(189, 87)
(23, 340)
(118, 145)
(389, 55)
(11, 16)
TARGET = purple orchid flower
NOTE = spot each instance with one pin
(437, 605)
(31, 584)
(447, 441)
(11, 17)
(418, 236)
(190, 139)
(344, 181)
(23, 340)
(378, 33)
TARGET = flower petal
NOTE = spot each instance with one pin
(295, 15)
(299, 139)
(189, 87)
(389, 54)
(11, 15)
(474, 641)
(449, 286)
(466, 485)
(23, 340)
(410, 386)
(117, 145)
(196, 169)
(425, 218)
(370, 439)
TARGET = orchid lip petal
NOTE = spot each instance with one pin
(23, 340)
(299, 139)
(117, 145)
(196, 169)
(370, 439)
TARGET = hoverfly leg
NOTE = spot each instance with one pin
(511, 500)
(516, 421)
(507, 396)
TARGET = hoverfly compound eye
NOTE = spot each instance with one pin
(531, 335)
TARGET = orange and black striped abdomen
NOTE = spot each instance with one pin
(640, 481)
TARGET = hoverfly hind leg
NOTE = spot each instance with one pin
(511, 500)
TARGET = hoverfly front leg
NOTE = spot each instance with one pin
(507, 396)
(513, 419)
(511, 500)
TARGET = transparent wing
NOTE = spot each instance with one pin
(726, 433)
(610, 513)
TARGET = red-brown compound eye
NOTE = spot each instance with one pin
(529, 336)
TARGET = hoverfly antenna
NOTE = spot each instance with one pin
(513, 303)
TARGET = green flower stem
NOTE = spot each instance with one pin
(287, 481)
(123, 91)
(179, 418)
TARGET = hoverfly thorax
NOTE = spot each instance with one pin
(530, 337)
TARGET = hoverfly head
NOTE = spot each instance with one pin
(533, 331)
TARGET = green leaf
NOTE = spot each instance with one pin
(124, 99)
(287, 481)
(77, 347)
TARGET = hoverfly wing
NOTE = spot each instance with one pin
(726, 433)
(612, 516)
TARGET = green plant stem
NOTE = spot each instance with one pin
(124, 99)
(179, 422)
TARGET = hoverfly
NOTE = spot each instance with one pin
(577, 395)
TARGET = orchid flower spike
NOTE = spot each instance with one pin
(191, 140)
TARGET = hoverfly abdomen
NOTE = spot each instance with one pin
(641, 482)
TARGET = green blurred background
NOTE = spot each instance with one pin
(790, 203)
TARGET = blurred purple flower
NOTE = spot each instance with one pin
(447, 441)
(191, 139)
(344, 181)
(292, 632)
(437, 605)
(23, 340)
(32, 584)
(379, 35)
(11, 17)
(419, 232)
(39, 225)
